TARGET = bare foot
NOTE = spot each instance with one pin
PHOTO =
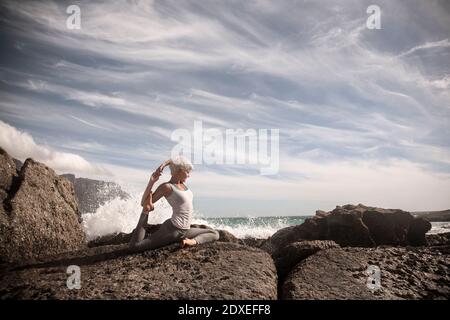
(188, 243)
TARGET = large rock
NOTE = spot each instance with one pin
(214, 270)
(416, 235)
(8, 185)
(394, 227)
(91, 194)
(405, 273)
(18, 164)
(289, 256)
(39, 216)
(253, 242)
(357, 226)
(326, 275)
(8, 174)
(110, 239)
(321, 213)
(440, 239)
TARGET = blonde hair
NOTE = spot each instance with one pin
(180, 163)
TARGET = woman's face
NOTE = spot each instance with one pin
(183, 175)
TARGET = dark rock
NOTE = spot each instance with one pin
(253, 242)
(358, 226)
(18, 164)
(440, 239)
(214, 270)
(326, 275)
(417, 230)
(286, 258)
(39, 216)
(405, 273)
(110, 239)
(226, 236)
(91, 194)
(8, 174)
(282, 238)
(344, 229)
(321, 213)
(395, 227)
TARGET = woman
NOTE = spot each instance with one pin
(179, 196)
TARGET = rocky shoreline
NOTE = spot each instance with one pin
(326, 257)
(434, 216)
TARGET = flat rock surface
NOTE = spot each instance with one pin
(215, 270)
(341, 273)
(286, 258)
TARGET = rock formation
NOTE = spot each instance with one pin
(405, 273)
(39, 214)
(356, 226)
(215, 270)
(91, 194)
(288, 257)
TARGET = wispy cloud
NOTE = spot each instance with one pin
(429, 45)
(93, 99)
(88, 123)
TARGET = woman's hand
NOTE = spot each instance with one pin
(148, 207)
(146, 200)
(155, 175)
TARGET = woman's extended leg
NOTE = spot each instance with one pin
(165, 235)
(202, 235)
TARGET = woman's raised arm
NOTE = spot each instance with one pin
(146, 200)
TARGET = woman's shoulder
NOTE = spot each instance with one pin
(165, 187)
(168, 185)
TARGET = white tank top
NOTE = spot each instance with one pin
(182, 207)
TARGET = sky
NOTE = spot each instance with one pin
(363, 114)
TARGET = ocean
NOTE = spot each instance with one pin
(122, 215)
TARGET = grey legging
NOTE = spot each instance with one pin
(167, 234)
